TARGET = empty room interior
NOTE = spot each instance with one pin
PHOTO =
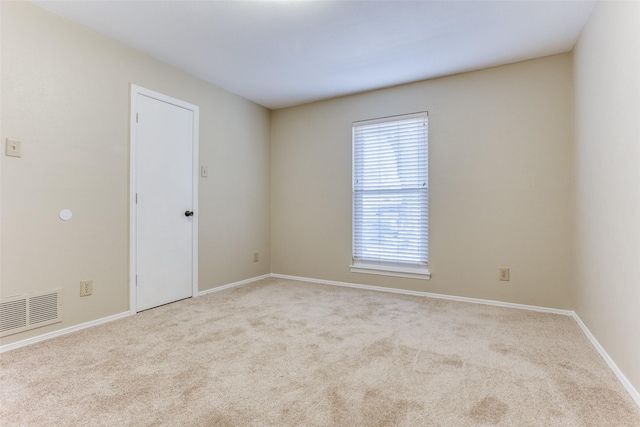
(515, 300)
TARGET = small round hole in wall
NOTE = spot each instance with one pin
(65, 214)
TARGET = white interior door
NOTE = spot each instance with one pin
(164, 196)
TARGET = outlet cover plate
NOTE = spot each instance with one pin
(86, 288)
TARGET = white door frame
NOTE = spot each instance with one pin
(135, 91)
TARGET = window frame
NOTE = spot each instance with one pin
(397, 268)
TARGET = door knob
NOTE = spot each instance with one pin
(188, 213)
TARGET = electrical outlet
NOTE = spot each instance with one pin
(86, 288)
(256, 256)
(504, 274)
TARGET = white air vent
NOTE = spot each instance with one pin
(24, 312)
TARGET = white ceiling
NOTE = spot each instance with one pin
(283, 53)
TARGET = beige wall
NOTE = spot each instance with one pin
(607, 177)
(65, 95)
(500, 156)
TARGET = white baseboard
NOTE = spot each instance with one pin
(61, 332)
(234, 284)
(612, 365)
(430, 295)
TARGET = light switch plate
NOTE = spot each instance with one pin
(204, 171)
(14, 148)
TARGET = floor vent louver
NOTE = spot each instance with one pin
(24, 312)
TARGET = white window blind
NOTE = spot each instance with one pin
(390, 192)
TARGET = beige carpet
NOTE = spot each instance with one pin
(286, 353)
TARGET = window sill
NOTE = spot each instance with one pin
(387, 270)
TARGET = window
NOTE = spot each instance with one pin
(390, 196)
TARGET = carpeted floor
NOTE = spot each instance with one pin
(286, 353)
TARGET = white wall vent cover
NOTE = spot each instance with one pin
(24, 312)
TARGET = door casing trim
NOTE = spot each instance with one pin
(135, 91)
